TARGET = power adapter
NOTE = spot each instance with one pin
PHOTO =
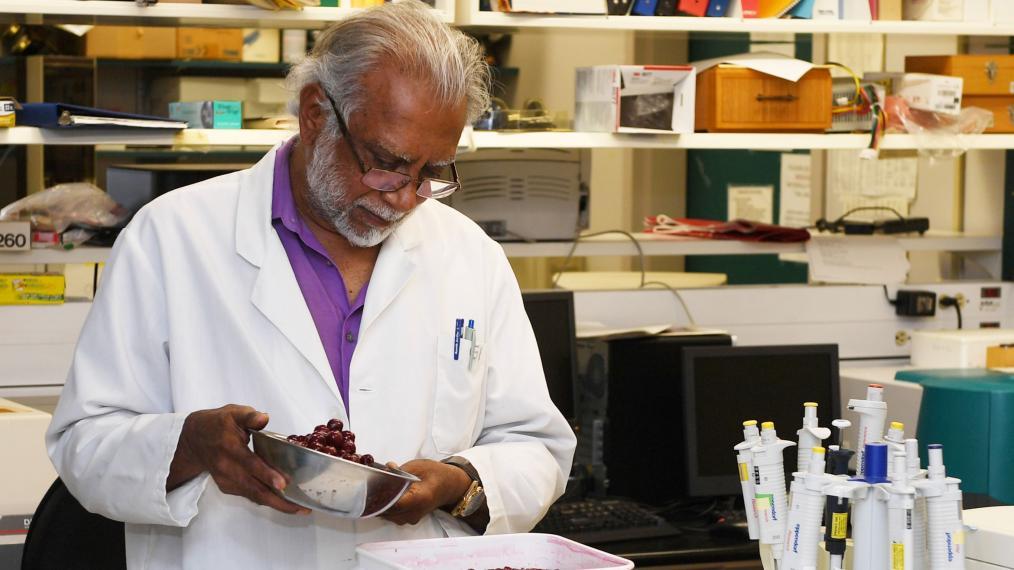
(915, 304)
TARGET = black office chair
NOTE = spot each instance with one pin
(64, 536)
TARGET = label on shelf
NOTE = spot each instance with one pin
(15, 236)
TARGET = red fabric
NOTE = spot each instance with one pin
(743, 230)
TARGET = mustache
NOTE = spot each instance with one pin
(382, 211)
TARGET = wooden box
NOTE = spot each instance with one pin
(131, 42)
(982, 74)
(210, 43)
(737, 99)
(1002, 107)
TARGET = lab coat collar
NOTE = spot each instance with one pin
(253, 215)
(277, 294)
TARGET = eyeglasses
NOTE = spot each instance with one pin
(390, 181)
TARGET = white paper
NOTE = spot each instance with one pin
(753, 203)
(794, 191)
(775, 64)
(773, 42)
(886, 176)
(874, 260)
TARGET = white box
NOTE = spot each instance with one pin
(494, 551)
(856, 10)
(27, 471)
(934, 10)
(926, 92)
(991, 542)
(826, 10)
(956, 348)
(978, 10)
(1003, 12)
(635, 99)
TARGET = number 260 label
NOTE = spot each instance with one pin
(15, 236)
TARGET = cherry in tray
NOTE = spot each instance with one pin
(331, 439)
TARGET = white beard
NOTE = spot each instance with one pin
(328, 190)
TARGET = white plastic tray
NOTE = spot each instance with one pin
(484, 552)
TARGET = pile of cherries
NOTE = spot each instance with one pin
(332, 440)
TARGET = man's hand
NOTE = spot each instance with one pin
(442, 485)
(216, 441)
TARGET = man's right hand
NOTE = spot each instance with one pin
(215, 441)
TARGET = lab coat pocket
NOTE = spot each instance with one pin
(457, 403)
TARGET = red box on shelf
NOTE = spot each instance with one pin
(692, 7)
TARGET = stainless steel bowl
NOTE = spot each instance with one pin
(336, 486)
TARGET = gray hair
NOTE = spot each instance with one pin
(408, 34)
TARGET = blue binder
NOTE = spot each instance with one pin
(718, 8)
(803, 10)
(644, 7)
(62, 116)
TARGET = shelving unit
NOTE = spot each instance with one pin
(113, 12)
(470, 17)
(608, 245)
(655, 245)
(487, 139)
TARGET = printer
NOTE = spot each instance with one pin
(523, 194)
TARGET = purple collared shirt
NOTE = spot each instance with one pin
(337, 320)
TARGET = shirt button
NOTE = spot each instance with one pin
(349, 337)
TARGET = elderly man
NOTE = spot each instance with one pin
(323, 282)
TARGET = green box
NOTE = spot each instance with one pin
(208, 114)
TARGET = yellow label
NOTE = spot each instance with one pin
(839, 525)
(959, 537)
(744, 474)
(31, 289)
(897, 556)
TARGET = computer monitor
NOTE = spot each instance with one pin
(723, 386)
(552, 316)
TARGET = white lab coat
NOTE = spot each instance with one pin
(199, 307)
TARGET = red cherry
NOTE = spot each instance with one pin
(321, 429)
(354, 458)
(292, 438)
(349, 436)
(366, 459)
(336, 439)
(329, 450)
(349, 447)
(334, 424)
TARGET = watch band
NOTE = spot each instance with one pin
(475, 496)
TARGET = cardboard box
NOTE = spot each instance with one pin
(260, 45)
(31, 289)
(635, 98)
(208, 114)
(131, 42)
(981, 74)
(935, 10)
(209, 43)
(936, 93)
(889, 10)
(732, 98)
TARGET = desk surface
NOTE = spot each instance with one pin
(688, 548)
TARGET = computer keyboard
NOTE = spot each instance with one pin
(598, 521)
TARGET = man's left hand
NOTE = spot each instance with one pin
(442, 485)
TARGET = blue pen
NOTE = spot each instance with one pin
(458, 323)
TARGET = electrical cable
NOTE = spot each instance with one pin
(948, 301)
(888, 297)
(640, 261)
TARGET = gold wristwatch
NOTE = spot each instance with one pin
(475, 496)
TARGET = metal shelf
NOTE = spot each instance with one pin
(470, 17)
(175, 14)
(485, 139)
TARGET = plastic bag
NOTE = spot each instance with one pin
(937, 134)
(78, 204)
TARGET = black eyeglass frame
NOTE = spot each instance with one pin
(423, 185)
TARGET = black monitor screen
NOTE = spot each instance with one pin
(552, 316)
(724, 386)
